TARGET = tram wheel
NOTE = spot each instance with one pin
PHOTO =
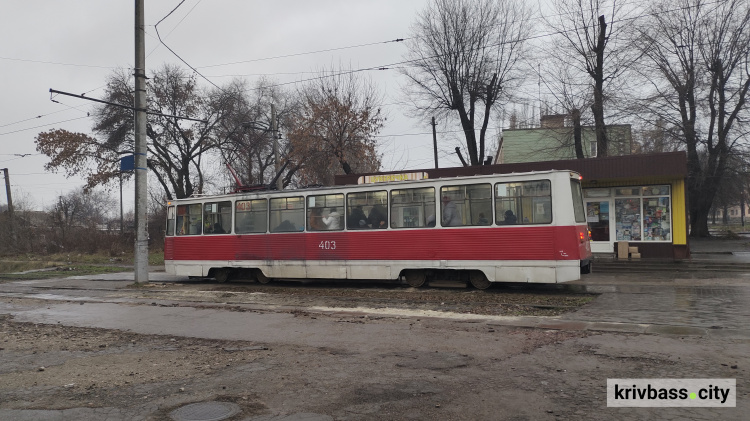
(261, 278)
(221, 275)
(478, 280)
(416, 278)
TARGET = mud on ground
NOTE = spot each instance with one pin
(507, 373)
(54, 367)
(497, 301)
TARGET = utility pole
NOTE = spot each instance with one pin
(10, 204)
(141, 168)
(434, 142)
(274, 133)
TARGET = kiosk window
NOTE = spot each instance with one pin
(657, 221)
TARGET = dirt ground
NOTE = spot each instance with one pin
(501, 300)
(56, 367)
(411, 368)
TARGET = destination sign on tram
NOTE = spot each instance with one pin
(388, 178)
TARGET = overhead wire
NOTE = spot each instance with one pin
(315, 51)
(43, 125)
(31, 118)
(246, 61)
(372, 68)
(156, 28)
(541, 17)
(57, 63)
(408, 62)
(173, 28)
(304, 53)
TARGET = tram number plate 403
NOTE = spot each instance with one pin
(327, 245)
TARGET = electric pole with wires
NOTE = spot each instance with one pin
(141, 166)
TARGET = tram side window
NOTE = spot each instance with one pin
(189, 219)
(217, 218)
(251, 216)
(170, 220)
(466, 205)
(287, 214)
(527, 202)
(367, 210)
(413, 208)
(578, 211)
(325, 212)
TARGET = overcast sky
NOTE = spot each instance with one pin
(74, 45)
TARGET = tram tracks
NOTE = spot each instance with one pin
(505, 303)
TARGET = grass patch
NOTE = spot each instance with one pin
(10, 266)
(69, 264)
(156, 258)
(62, 272)
(23, 262)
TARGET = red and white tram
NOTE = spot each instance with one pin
(524, 227)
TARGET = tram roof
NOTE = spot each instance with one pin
(371, 186)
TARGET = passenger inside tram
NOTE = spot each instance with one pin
(378, 217)
(510, 218)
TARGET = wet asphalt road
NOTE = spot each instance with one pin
(710, 302)
(711, 305)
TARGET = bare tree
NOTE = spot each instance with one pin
(20, 236)
(249, 139)
(176, 147)
(733, 189)
(78, 213)
(336, 127)
(701, 52)
(587, 56)
(657, 137)
(463, 59)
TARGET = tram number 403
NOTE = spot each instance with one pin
(327, 245)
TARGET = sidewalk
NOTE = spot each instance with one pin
(719, 250)
(705, 254)
(714, 245)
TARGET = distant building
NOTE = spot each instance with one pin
(734, 214)
(553, 141)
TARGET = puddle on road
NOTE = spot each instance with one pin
(400, 312)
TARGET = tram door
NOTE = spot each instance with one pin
(601, 224)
